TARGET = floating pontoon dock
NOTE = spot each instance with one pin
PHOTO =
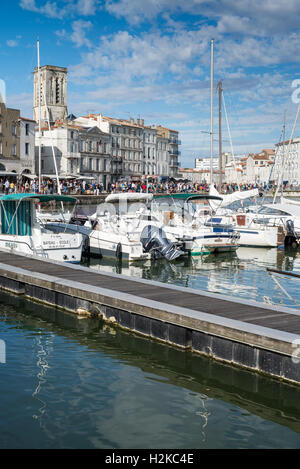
(264, 338)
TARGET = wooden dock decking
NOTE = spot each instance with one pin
(229, 329)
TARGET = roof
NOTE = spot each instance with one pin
(40, 197)
(26, 119)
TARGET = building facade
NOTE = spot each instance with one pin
(150, 151)
(79, 152)
(16, 142)
(27, 146)
(287, 162)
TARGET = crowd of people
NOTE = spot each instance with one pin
(83, 187)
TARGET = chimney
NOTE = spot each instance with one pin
(142, 122)
(131, 120)
(138, 121)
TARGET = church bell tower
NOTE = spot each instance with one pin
(53, 94)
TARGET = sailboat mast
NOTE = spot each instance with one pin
(39, 102)
(211, 107)
(220, 134)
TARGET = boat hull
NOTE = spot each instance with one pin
(59, 248)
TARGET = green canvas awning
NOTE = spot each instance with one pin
(188, 197)
(39, 197)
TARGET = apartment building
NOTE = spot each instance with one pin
(173, 148)
(126, 142)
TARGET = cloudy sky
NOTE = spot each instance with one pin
(151, 59)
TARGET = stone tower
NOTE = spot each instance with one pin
(53, 94)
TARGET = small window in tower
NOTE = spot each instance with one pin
(57, 91)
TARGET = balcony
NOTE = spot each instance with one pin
(174, 141)
(116, 171)
(175, 152)
(117, 159)
(174, 164)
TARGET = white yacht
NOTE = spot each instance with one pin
(22, 232)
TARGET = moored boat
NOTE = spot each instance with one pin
(22, 232)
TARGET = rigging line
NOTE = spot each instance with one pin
(229, 133)
(272, 168)
(280, 175)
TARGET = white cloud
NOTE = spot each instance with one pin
(69, 8)
(78, 34)
(12, 42)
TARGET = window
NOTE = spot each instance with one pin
(0, 148)
(90, 164)
(104, 164)
(13, 129)
(26, 148)
(97, 164)
(14, 149)
(57, 94)
(27, 129)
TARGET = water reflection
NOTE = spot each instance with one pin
(97, 386)
(241, 274)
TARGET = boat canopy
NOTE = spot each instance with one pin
(188, 197)
(40, 197)
(227, 199)
(129, 197)
(289, 209)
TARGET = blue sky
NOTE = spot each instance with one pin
(151, 59)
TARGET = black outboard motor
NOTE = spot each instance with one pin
(155, 241)
(290, 239)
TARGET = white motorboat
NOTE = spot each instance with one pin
(253, 230)
(21, 231)
(183, 220)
